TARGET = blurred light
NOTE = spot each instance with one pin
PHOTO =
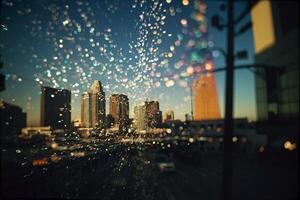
(208, 66)
(191, 140)
(54, 145)
(157, 84)
(185, 2)
(219, 129)
(40, 162)
(290, 146)
(77, 154)
(169, 83)
(172, 48)
(198, 17)
(183, 22)
(190, 70)
(55, 158)
(215, 53)
(261, 149)
(191, 43)
(234, 139)
(195, 57)
(168, 1)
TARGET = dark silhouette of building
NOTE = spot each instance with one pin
(13, 119)
(276, 37)
(56, 108)
(109, 121)
(154, 116)
(119, 109)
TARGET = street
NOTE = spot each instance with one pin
(129, 171)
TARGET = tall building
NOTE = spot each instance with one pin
(98, 114)
(275, 28)
(153, 113)
(13, 119)
(86, 113)
(109, 121)
(206, 96)
(140, 118)
(55, 108)
(169, 116)
(119, 109)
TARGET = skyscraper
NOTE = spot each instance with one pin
(275, 26)
(97, 96)
(140, 117)
(206, 97)
(12, 120)
(119, 108)
(169, 115)
(55, 108)
(86, 113)
(153, 113)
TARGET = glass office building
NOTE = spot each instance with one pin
(277, 75)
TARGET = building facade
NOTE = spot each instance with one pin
(169, 116)
(55, 108)
(153, 113)
(277, 81)
(13, 119)
(140, 118)
(119, 109)
(98, 113)
(86, 113)
(206, 101)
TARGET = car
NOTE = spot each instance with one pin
(165, 163)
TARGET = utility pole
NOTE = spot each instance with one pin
(228, 121)
(228, 125)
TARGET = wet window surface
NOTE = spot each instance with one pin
(129, 99)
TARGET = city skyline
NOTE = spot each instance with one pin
(87, 100)
(149, 99)
(24, 77)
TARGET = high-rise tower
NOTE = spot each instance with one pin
(206, 97)
(153, 113)
(97, 96)
(140, 118)
(56, 108)
(197, 58)
(119, 109)
(86, 114)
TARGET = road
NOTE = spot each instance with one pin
(129, 171)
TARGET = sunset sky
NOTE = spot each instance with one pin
(127, 45)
